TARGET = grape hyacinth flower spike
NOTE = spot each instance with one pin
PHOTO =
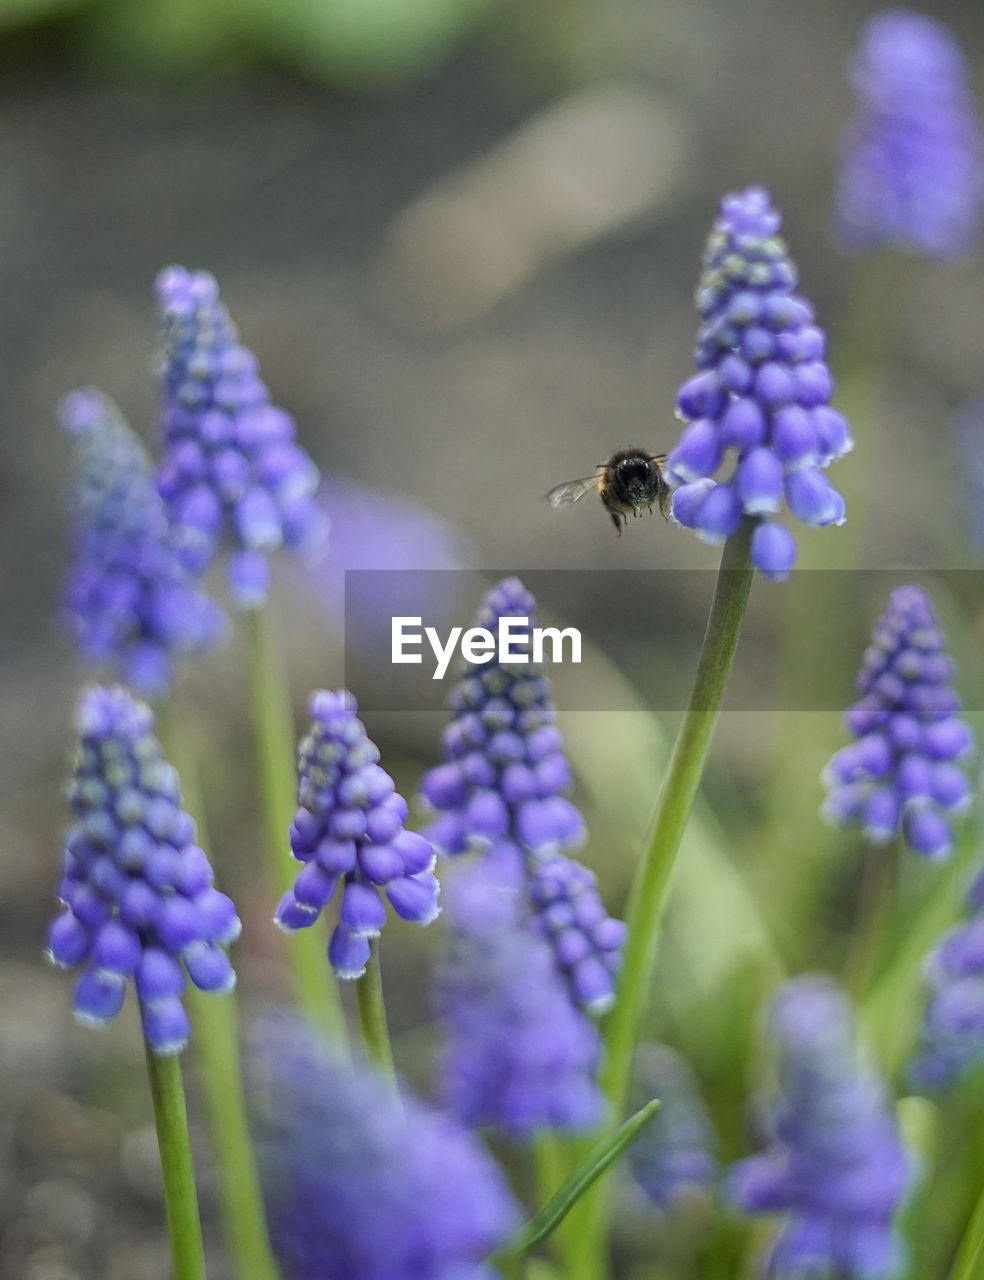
(901, 773)
(231, 462)
(362, 1184)
(912, 175)
(761, 398)
(953, 1021)
(836, 1165)
(518, 1054)
(503, 787)
(137, 896)
(672, 1160)
(348, 831)
(127, 597)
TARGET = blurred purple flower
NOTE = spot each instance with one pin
(913, 167)
(518, 1054)
(503, 786)
(348, 831)
(953, 1022)
(901, 773)
(136, 891)
(672, 1159)
(836, 1165)
(763, 391)
(231, 462)
(126, 595)
(361, 1185)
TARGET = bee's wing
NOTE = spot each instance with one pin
(573, 491)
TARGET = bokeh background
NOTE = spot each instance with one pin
(462, 237)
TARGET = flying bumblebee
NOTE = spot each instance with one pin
(630, 480)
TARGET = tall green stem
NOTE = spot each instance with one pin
(180, 1195)
(372, 1015)
(673, 806)
(215, 1040)
(648, 895)
(274, 740)
(969, 1262)
(872, 919)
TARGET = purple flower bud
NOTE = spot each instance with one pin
(743, 424)
(512, 801)
(116, 949)
(415, 897)
(794, 437)
(953, 1019)
(518, 1054)
(99, 996)
(127, 596)
(812, 498)
(672, 1159)
(348, 952)
(230, 458)
(687, 502)
(912, 173)
(902, 766)
(758, 482)
(208, 967)
(698, 452)
(159, 976)
(138, 920)
(69, 941)
(719, 515)
(836, 1168)
(761, 352)
(361, 1184)
(351, 821)
(165, 1025)
(362, 911)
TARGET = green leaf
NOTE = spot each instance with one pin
(570, 1191)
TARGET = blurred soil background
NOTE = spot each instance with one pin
(462, 239)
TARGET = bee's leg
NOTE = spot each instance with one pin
(618, 522)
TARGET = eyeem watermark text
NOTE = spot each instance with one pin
(513, 641)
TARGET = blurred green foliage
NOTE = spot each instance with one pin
(351, 44)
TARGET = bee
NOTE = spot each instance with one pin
(630, 480)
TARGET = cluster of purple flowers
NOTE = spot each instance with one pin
(503, 785)
(836, 1165)
(518, 1053)
(127, 596)
(763, 392)
(672, 1159)
(231, 460)
(137, 895)
(348, 831)
(953, 1023)
(913, 169)
(901, 772)
(360, 1184)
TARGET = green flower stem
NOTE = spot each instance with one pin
(273, 732)
(215, 1041)
(180, 1196)
(648, 895)
(673, 806)
(372, 1015)
(969, 1262)
(876, 903)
